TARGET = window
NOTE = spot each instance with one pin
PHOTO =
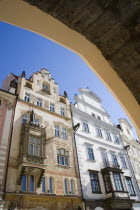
(34, 146)
(45, 87)
(99, 118)
(27, 97)
(62, 157)
(39, 102)
(118, 182)
(64, 133)
(130, 186)
(43, 185)
(0, 103)
(36, 121)
(24, 119)
(99, 132)
(123, 162)
(50, 185)
(24, 182)
(117, 139)
(95, 186)
(108, 136)
(66, 186)
(85, 127)
(107, 182)
(90, 153)
(62, 111)
(57, 132)
(32, 183)
(114, 159)
(72, 186)
(105, 158)
(51, 107)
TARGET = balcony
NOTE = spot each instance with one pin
(109, 166)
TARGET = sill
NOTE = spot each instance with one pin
(85, 131)
(63, 166)
(97, 192)
(133, 195)
(101, 137)
(91, 160)
(116, 142)
(109, 140)
(124, 168)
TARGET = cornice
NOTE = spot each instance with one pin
(96, 109)
(103, 143)
(94, 120)
(44, 110)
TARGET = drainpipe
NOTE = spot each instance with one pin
(76, 155)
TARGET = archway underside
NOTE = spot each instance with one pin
(113, 26)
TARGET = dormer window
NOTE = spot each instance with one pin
(45, 87)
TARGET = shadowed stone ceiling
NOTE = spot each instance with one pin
(112, 25)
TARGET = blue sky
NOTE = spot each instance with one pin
(23, 50)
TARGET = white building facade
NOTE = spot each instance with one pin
(106, 179)
(134, 147)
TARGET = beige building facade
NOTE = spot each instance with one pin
(133, 146)
(42, 171)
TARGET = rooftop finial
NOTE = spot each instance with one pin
(23, 74)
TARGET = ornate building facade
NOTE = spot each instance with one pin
(108, 183)
(132, 145)
(42, 170)
(7, 107)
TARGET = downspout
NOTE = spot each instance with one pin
(76, 155)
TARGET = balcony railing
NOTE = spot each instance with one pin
(108, 164)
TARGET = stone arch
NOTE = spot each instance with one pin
(20, 13)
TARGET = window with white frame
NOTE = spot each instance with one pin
(27, 97)
(130, 186)
(105, 158)
(123, 161)
(51, 107)
(90, 153)
(24, 119)
(99, 132)
(34, 146)
(39, 102)
(114, 160)
(116, 138)
(108, 136)
(64, 133)
(63, 157)
(56, 131)
(85, 127)
(118, 182)
(62, 111)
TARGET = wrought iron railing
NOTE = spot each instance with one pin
(110, 164)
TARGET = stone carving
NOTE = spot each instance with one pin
(23, 74)
(9, 106)
(59, 184)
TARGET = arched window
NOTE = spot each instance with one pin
(50, 185)
(32, 183)
(43, 185)
(66, 185)
(72, 186)
(24, 119)
(24, 182)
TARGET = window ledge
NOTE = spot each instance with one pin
(62, 166)
(86, 131)
(88, 160)
(101, 137)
